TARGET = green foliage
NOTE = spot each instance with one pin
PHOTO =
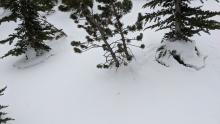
(113, 11)
(13, 6)
(42, 5)
(3, 119)
(46, 5)
(75, 4)
(180, 17)
(33, 30)
(102, 26)
(2, 3)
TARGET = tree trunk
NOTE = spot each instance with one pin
(121, 32)
(177, 14)
(100, 29)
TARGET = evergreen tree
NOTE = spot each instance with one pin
(33, 31)
(13, 7)
(43, 5)
(101, 27)
(3, 119)
(46, 5)
(2, 3)
(116, 9)
(183, 22)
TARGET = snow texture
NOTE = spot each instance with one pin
(67, 88)
(187, 53)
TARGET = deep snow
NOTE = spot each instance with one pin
(67, 88)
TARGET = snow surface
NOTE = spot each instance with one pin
(187, 51)
(67, 88)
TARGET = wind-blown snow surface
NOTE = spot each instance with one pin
(67, 88)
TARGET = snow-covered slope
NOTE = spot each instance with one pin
(67, 88)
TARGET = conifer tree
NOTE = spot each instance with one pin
(183, 21)
(33, 30)
(43, 5)
(116, 9)
(3, 119)
(102, 26)
(46, 5)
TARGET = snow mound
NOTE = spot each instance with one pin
(24, 63)
(185, 53)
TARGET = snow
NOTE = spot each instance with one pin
(4, 12)
(187, 51)
(68, 88)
